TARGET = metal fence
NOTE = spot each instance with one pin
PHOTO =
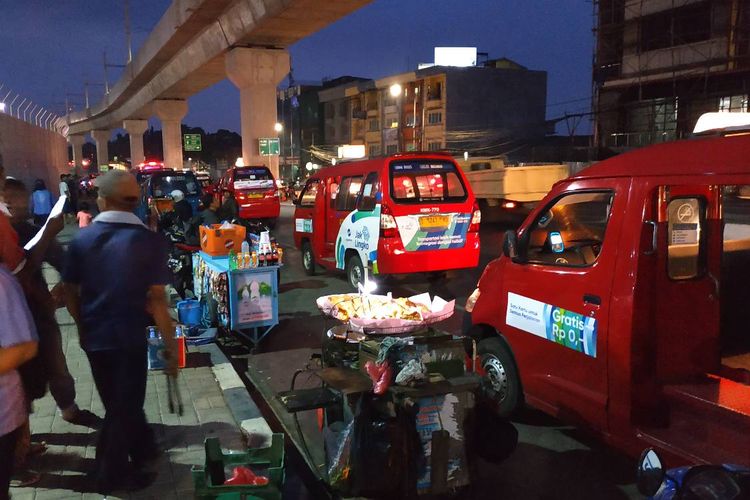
(14, 104)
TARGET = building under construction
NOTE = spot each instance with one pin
(660, 64)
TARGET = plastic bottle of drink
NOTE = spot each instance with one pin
(280, 254)
(232, 260)
(245, 255)
(254, 259)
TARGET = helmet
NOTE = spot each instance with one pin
(177, 195)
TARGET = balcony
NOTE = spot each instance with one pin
(627, 140)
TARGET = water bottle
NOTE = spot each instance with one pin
(232, 260)
(245, 255)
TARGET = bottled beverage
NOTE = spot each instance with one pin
(261, 259)
(232, 260)
(280, 255)
(245, 255)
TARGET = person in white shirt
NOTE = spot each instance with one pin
(68, 210)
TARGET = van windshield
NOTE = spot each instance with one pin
(164, 185)
(426, 181)
(253, 178)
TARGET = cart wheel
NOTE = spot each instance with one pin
(308, 259)
(355, 271)
(501, 386)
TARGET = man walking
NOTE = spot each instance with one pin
(115, 272)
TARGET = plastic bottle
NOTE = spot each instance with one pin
(245, 255)
(254, 259)
(232, 260)
(280, 254)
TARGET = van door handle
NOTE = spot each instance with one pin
(592, 299)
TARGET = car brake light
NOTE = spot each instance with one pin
(270, 194)
(476, 219)
(388, 227)
(509, 204)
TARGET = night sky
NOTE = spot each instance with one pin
(50, 47)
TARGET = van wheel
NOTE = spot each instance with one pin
(355, 271)
(501, 386)
(308, 259)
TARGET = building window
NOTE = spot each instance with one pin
(343, 108)
(374, 149)
(435, 117)
(373, 125)
(391, 123)
(391, 149)
(410, 121)
(734, 103)
(673, 27)
(649, 122)
(434, 146)
(330, 111)
(434, 91)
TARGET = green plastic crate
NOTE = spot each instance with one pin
(271, 457)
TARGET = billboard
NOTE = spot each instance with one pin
(456, 56)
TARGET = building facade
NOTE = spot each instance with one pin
(475, 109)
(660, 64)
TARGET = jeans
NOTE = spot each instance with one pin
(120, 377)
(7, 451)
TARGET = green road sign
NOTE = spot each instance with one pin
(269, 146)
(191, 142)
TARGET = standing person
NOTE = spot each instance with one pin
(18, 344)
(73, 187)
(65, 191)
(112, 308)
(84, 215)
(41, 202)
(41, 303)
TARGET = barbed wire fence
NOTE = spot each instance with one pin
(22, 108)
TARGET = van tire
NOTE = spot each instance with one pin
(501, 385)
(308, 258)
(355, 271)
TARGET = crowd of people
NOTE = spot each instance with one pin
(111, 309)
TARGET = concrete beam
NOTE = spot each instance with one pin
(170, 113)
(101, 138)
(256, 73)
(135, 130)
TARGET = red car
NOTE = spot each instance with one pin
(254, 190)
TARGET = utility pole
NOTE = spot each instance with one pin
(106, 75)
(128, 39)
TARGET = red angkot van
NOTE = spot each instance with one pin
(254, 189)
(407, 213)
(620, 302)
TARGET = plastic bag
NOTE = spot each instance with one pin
(340, 465)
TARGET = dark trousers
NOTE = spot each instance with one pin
(120, 378)
(7, 455)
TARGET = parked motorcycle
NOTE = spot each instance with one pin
(698, 482)
(180, 260)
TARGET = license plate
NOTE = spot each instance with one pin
(433, 222)
(254, 195)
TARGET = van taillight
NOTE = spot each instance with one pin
(476, 219)
(270, 194)
(388, 227)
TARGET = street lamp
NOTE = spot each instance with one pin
(395, 90)
(2, 107)
(278, 127)
(309, 165)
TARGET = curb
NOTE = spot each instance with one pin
(244, 410)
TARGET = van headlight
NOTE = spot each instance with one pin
(472, 300)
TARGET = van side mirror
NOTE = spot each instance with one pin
(511, 248)
(650, 473)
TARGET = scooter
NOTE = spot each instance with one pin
(698, 482)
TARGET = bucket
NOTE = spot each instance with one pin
(189, 312)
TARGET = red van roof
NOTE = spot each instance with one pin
(704, 156)
(354, 167)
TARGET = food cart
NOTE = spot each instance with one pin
(397, 401)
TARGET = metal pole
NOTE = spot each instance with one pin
(414, 118)
(127, 31)
(36, 117)
(24, 110)
(10, 106)
(86, 94)
(106, 79)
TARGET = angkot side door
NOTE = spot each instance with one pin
(332, 222)
(557, 302)
(346, 201)
(305, 216)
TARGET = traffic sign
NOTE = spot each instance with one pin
(192, 142)
(269, 146)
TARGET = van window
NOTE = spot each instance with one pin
(307, 198)
(253, 178)
(424, 181)
(348, 192)
(368, 200)
(685, 218)
(571, 231)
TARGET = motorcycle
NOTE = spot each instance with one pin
(698, 482)
(180, 260)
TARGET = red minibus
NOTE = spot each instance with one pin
(619, 303)
(406, 213)
(254, 190)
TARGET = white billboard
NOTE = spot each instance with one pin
(456, 56)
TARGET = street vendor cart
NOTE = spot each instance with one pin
(397, 401)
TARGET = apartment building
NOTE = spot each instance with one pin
(439, 108)
(660, 64)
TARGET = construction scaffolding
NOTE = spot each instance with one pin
(659, 64)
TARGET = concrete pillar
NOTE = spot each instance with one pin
(171, 112)
(101, 138)
(135, 130)
(256, 73)
(76, 141)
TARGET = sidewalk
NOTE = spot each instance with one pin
(71, 448)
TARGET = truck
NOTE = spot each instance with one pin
(620, 302)
(504, 189)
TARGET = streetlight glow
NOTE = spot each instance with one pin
(395, 90)
(309, 165)
(2, 107)
(278, 127)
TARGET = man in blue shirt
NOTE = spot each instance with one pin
(115, 272)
